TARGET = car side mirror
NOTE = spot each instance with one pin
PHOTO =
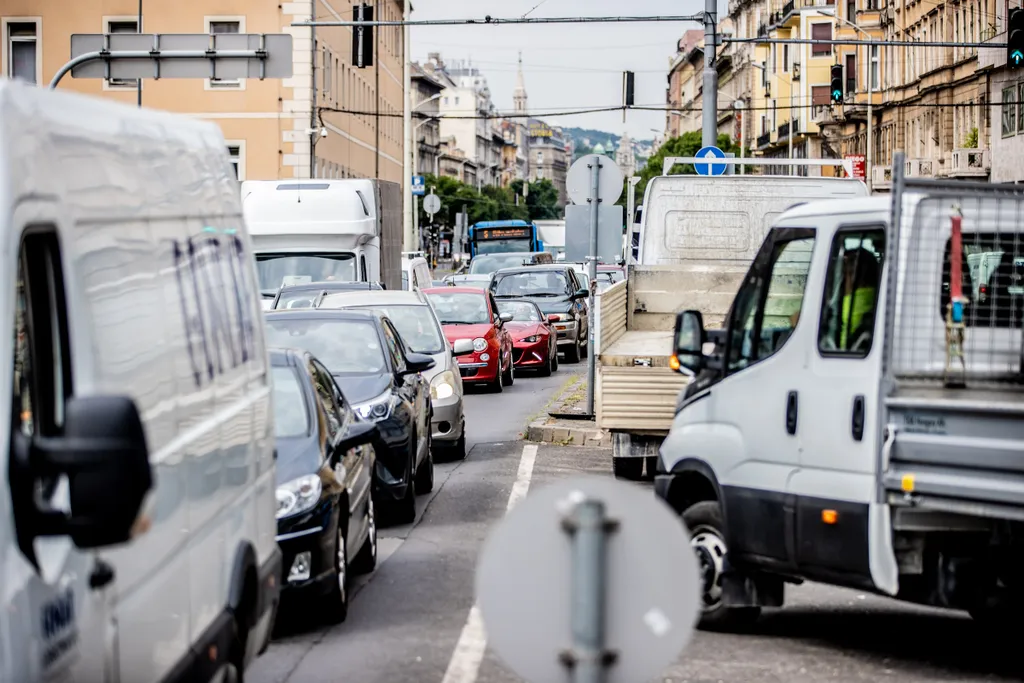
(104, 456)
(359, 433)
(581, 294)
(688, 354)
(417, 362)
(553, 318)
(506, 317)
(462, 347)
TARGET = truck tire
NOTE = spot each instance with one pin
(631, 469)
(707, 537)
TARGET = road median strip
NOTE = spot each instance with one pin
(550, 427)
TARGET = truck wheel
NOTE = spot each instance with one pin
(628, 468)
(707, 538)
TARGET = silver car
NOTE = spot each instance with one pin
(421, 331)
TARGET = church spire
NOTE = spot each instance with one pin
(519, 94)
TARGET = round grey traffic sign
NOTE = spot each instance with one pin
(431, 204)
(652, 592)
(609, 181)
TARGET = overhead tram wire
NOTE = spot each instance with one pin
(498, 21)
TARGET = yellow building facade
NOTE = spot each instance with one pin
(273, 127)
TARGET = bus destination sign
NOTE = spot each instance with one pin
(504, 233)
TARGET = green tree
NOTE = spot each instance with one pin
(686, 145)
(542, 199)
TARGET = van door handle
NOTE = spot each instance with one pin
(858, 418)
(791, 405)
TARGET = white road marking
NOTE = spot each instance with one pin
(464, 665)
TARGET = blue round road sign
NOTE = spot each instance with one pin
(710, 168)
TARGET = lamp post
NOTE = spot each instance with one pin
(871, 95)
(739, 106)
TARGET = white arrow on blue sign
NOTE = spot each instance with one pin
(418, 185)
(710, 168)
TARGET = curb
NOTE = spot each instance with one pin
(542, 432)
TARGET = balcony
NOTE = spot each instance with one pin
(764, 140)
(784, 129)
(970, 163)
(881, 177)
(822, 115)
(919, 168)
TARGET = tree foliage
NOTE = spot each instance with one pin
(686, 145)
(491, 203)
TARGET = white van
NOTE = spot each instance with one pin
(137, 512)
(415, 273)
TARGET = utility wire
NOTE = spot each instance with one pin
(497, 21)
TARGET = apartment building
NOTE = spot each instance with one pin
(426, 122)
(550, 154)
(273, 127)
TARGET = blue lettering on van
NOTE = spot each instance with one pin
(214, 277)
(58, 615)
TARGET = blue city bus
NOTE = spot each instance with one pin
(498, 237)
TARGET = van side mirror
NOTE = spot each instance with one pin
(104, 456)
(462, 347)
(689, 338)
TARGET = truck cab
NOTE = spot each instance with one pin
(838, 431)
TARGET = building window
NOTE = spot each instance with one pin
(122, 26)
(220, 26)
(328, 78)
(236, 153)
(851, 10)
(875, 68)
(821, 32)
(1009, 110)
(785, 58)
(851, 73)
(22, 56)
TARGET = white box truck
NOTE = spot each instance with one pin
(698, 236)
(319, 230)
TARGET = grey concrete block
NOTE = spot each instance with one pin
(559, 434)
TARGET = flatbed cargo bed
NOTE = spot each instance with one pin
(633, 345)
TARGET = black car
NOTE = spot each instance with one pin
(382, 381)
(556, 290)
(309, 294)
(326, 522)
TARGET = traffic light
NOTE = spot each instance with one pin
(627, 86)
(836, 91)
(1015, 38)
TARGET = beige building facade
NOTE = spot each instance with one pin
(274, 127)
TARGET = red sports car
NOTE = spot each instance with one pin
(472, 313)
(534, 342)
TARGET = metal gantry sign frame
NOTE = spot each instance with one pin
(225, 56)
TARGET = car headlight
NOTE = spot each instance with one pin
(479, 344)
(376, 409)
(531, 339)
(442, 386)
(298, 495)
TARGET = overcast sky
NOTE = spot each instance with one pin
(567, 66)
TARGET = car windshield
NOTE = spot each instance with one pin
(460, 308)
(343, 346)
(279, 270)
(522, 311)
(291, 416)
(485, 265)
(502, 246)
(417, 326)
(298, 299)
(531, 283)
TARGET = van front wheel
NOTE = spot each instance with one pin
(707, 538)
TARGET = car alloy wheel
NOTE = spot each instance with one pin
(338, 604)
(366, 560)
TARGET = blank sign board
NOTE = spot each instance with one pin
(609, 233)
(278, 63)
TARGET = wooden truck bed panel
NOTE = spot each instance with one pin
(637, 399)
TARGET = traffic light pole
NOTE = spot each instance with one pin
(709, 129)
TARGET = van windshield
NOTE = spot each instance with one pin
(277, 270)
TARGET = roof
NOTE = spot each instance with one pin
(328, 285)
(321, 313)
(558, 267)
(374, 298)
(502, 224)
(454, 290)
(280, 356)
(832, 207)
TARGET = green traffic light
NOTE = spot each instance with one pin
(1017, 56)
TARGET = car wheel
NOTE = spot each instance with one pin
(497, 385)
(425, 472)
(554, 358)
(405, 510)
(546, 369)
(366, 560)
(459, 450)
(509, 378)
(337, 604)
(707, 538)
(572, 354)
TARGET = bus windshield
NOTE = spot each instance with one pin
(502, 246)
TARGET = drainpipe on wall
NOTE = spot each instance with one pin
(312, 104)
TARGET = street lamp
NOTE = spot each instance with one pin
(870, 71)
(739, 105)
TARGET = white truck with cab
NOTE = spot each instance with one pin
(319, 230)
(137, 512)
(861, 420)
(697, 238)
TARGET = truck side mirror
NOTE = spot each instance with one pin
(103, 453)
(688, 354)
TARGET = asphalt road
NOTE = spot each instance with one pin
(408, 620)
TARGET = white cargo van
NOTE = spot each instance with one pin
(316, 230)
(859, 422)
(137, 512)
